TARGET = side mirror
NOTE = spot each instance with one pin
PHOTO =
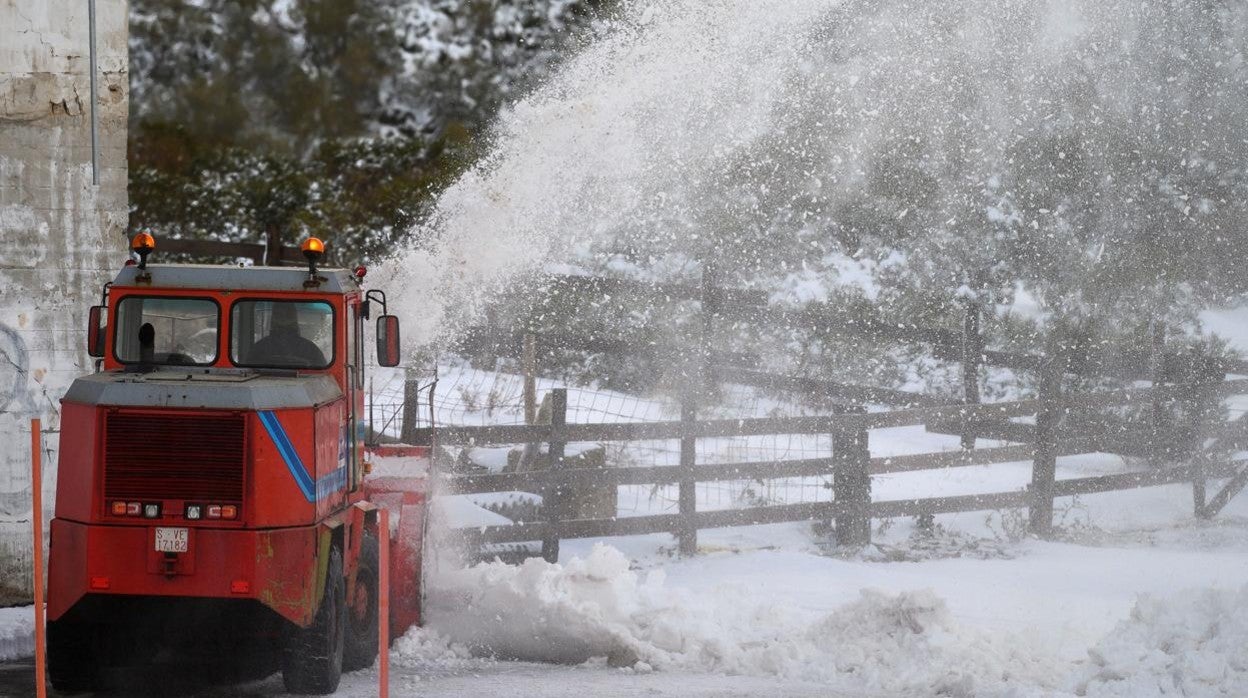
(95, 330)
(388, 340)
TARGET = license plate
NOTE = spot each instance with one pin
(171, 540)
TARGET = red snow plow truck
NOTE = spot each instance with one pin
(212, 498)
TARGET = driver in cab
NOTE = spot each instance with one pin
(284, 345)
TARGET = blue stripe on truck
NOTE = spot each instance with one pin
(313, 490)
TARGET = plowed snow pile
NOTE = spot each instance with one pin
(598, 607)
(1193, 644)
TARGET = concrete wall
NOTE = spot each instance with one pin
(59, 234)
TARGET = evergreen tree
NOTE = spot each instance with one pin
(267, 117)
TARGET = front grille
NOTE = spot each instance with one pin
(157, 456)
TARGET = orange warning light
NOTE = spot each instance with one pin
(143, 241)
(143, 244)
(313, 246)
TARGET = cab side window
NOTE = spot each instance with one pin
(167, 331)
(282, 334)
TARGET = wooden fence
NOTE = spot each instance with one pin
(850, 464)
(721, 305)
(1059, 424)
(272, 252)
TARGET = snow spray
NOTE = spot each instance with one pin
(751, 121)
(736, 127)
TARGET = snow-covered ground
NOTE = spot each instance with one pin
(1117, 610)
(1032, 618)
(1134, 597)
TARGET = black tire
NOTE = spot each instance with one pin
(313, 660)
(361, 643)
(73, 662)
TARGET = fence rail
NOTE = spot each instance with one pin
(1039, 430)
(849, 464)
(734, 305)
(823, 424)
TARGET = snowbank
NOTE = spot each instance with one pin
(1194, 644)
(598, 607)
(422, 646)
(458, 511)
(17, 633)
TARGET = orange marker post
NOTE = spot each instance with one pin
(383, 606)
(36, 523)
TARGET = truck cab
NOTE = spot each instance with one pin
(211, 483)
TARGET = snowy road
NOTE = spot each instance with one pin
(1124, 601)
(487, 679)
(1024, 618)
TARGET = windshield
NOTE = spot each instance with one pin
(173, 331)
(282, 334)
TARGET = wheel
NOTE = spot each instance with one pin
(313, 659)
(361, 642)
(73, 665)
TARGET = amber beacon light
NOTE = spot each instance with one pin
(313, 250)
(142, 245)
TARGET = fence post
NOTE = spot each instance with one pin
(372, 425)
(273, 246)
(1199, 494)
(528, 362)
(972, 359)
(710, 306)
(1204, 408)
(411, 409)
(1157, 446)
(1044, 458)
(554, 493)
(688, 533)
(851, 483)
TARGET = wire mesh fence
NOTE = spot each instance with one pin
(739, 429)
(457, 394)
